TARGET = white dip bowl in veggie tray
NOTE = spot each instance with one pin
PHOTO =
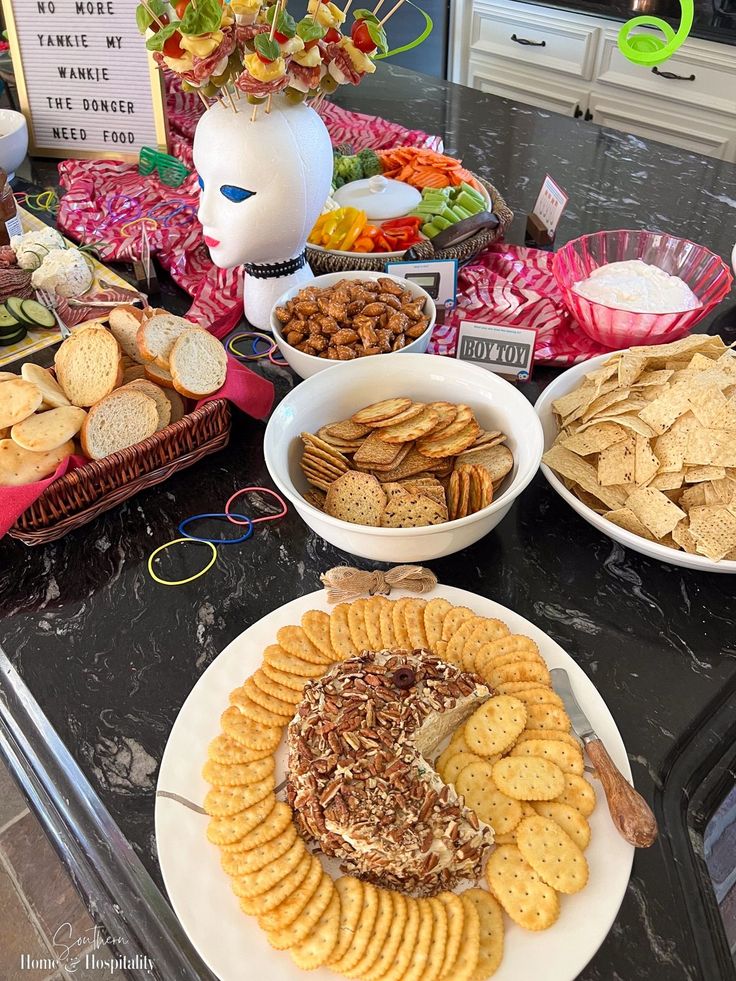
(306, 365)
(568, 382)
(340, 392)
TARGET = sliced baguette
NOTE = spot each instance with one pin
(48, 430)
(53, 396)
(120, 420)
(157, 336)
(133, 371)
(159, 375)
(163, 405)
(125, 322)
(19, 466)
(198, 364)
(178, 409)
(88, 366)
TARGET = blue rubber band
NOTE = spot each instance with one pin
(260, 340)
(216, 541)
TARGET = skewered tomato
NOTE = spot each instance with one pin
(361, 37)
(156, 26)
(172, 47)
(332, 35)
(181, 7)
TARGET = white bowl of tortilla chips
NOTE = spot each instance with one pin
(642, 445)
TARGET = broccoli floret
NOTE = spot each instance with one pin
(370, 163)
(348, 169)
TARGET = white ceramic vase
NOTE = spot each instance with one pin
(264, 183)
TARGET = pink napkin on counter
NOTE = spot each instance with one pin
(243, 388)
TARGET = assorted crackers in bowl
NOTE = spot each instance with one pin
(645, 439)
(401, 463)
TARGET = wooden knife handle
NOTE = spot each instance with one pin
(629, 811)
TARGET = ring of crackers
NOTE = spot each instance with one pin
(514, 760)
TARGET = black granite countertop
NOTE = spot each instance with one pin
(712, 20)
(110, 656)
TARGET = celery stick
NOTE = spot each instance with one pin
(430, 230)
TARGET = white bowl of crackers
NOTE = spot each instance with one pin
(344, 316)
(403, 459)
(642, 445)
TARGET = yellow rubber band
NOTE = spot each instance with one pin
(180, 582)
(137, 221)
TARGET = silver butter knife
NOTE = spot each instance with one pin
(630, 813)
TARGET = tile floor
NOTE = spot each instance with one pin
(40, 909)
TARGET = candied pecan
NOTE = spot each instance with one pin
(294, 337)
(360, 322)
(332, 354)
(417, 329)
(343, 337)
(399, 342)
(318, 343)
(413, 310)
(386, 285)
(345, 353)
(332, 307)
(398, 322)
(367, 335)
(283, 315)
(354, 307)
(391, 301)
(374, 309)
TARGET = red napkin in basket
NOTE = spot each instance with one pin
(243, 387)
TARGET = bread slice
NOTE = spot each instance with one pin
(19, 466)
(178, 409)
(157, 336)
(47, 430)
(18, 400)
(120, 420)
(6, 376)
(198, 364)
(88, 366)
(132, 371)
(163, 406)
(160, 376)
(51, 391)
(125, 322)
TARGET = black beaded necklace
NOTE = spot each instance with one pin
(273, 270)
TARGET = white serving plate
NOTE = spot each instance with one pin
(388, 256)
(563, 384)
(306, 365)
(233, 946)
(343, 389)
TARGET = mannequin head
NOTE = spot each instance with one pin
(264, 183)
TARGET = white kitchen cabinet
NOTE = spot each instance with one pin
(570, 63)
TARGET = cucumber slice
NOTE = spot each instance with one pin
(13, 338)
(6, 318)
(7, 329)
(37, 315)
(14, 306)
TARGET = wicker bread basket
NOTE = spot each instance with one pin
(84, 493)
(328, 262)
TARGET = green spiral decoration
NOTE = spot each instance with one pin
(643, 49)
(428, 26)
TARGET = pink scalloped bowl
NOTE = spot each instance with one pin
(705, 273)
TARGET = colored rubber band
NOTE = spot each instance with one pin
(280, 362)
(258, 490)
(262, 340)
(180, 582)
(217, 541)
(137, 221)
(119, 214)
(244, 336)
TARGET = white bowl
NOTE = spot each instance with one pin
(563, 384)
(306, 365)
(13, 140)
(337, 393)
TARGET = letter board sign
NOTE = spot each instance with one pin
(86, 83)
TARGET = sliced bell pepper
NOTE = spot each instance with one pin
(353, 233)
(363, 244)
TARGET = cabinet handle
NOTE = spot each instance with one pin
(678, 78)
(531, 44)
(578, 112)
(588, 115)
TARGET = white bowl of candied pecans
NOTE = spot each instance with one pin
(330, 327)
(341, 391)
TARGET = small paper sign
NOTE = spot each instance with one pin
(551, 202)
(507, 351)
(437, 276)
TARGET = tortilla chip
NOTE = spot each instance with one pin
(595, 438)
(630, 367)
(715, 447)
(670, 447)
(603, 402)
(694, 475)
(625, 518)
(668, 481)
(646, 463)
(714, 530)
(658, 377)
(681, 534)
(654, 510)
(693, 497)
(573, 467)
(664, 411)
(617, 463)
